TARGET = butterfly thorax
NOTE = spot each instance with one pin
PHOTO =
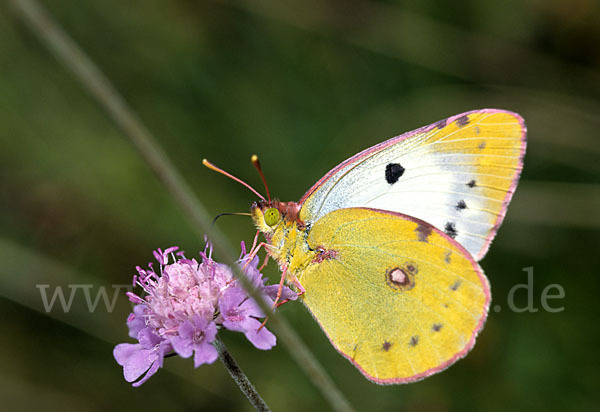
(287, 238)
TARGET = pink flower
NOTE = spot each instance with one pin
(183, 307)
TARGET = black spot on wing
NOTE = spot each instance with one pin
(441, 124)
(386, 346)
(481, 146)
(472, 183)
(412, 268)
(461, 205)
(455, 285)
(393, 171)
(462, 120)
(414, 341)
(437, 327)
(447, 257)
(450, 229)
(423, 232)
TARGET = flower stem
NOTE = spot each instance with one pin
(240, 377)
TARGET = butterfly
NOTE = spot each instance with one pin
(384, 248)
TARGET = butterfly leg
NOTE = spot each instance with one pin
(252, 249)
(298, 286)
(267, 256)
(253, 253)
(280, 289)
(255, 240)
(295, 282)
(276, 303)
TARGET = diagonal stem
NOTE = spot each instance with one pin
(237, 374)
(99, 87)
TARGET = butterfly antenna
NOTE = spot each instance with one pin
(256, 164)
(223, 172)
(228, 214)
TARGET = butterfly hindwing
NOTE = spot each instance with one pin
(397, 297)
(457, 174)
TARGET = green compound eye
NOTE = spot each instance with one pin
(271, 216)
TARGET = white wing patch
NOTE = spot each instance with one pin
(457, 175)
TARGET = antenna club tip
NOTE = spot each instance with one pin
(254, 158)
(211, 166)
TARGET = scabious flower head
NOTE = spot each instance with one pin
(183, 306)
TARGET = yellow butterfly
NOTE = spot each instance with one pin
(384, 247)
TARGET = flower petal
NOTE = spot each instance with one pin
(183, 341)
(210, 333)
(148, 339)
(286, 293)
(135, 321)
(251, 308)
(204, 353)
(153, 368)
(186, 330)
(231, 299)
(242, 324)
(262, 339)
(134, 359)
(183, 346)
(164, 348)
(123, 351)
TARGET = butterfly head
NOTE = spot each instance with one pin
(268, 215)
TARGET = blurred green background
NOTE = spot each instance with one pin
(305, 85)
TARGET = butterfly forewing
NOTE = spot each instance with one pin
(458, 175)
(398, 298)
